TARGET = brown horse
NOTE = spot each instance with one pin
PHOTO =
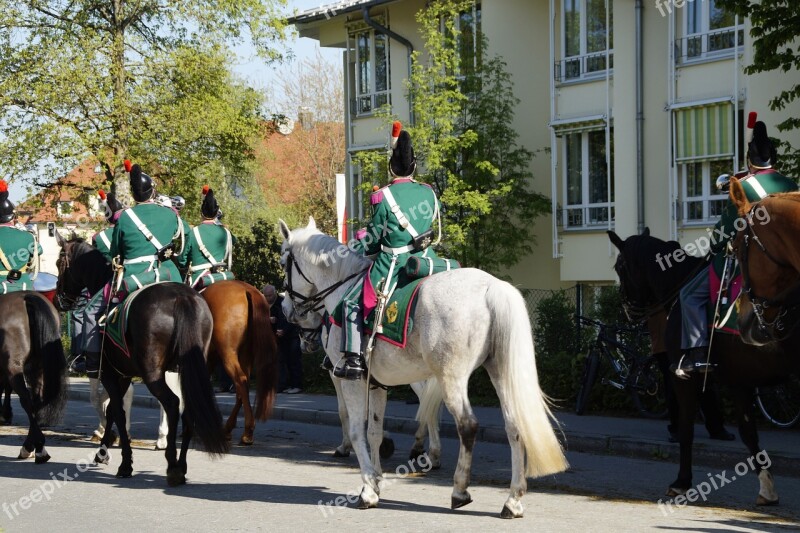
(243, 339)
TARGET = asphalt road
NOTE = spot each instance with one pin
(283, 482)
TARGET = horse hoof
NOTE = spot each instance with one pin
(366, 505)
(175, 477)
(457, 502)
(762, 501)
(102, 459)
(25, 454)
(41, 459)
(338, 454)
(124, 472)
(387, 448)
(415, 453)
(246, 441)
(675, 491)
(507, 513)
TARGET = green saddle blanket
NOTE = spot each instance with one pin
(116, 321)
(397, 318)
(728, 315)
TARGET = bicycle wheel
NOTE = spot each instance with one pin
(647, 389)
(780, 404)
(588, 378)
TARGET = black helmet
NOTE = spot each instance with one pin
(141, 185)
(6, 207)
(210, 208)
(760, 152)
(402, 163)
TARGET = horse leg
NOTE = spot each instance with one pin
(186, 438)
(173, 382)
(115, 388)
(346, 446)
(457, 402)
(6, 416)
(686, 392)
(34, 441)
(240, 380)
(375, 433)
(170, 403)
(430, 396)
(748, 431)
(418, 448)
(354, 395)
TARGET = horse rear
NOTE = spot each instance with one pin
(243, 341)
(33, 362)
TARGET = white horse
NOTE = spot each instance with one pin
(463, 319)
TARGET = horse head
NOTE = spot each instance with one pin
(80, 266)
(770, 300)
(633, 284)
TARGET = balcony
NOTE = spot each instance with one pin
(367, 104)
(593, 216)
(585, 67)
(719, 44)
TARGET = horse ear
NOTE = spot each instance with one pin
(312, 224)
(59, 239)
(646, 232)
(285, 231)
(73, 236)
(615, 239)
(739, 197)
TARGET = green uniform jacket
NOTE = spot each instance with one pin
(18, 246)
(418, 204)
(756, 187)
(134, 250)
(215, 239)
(102, 241)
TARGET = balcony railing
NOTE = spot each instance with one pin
(583, 67)
(711, 45)
(366, 104)
(585, 216)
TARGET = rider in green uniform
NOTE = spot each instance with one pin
(761, 180)
(18, 249)
(402, 215)
(209, 248)
(142, 239)
(112, 209)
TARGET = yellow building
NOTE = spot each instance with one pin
(641, 104)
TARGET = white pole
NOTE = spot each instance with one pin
(341, 207)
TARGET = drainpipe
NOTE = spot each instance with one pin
(639, 119)
(402, 40)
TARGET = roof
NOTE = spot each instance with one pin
(328, 11)
(64, 200)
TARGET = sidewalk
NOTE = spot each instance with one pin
(630, 437)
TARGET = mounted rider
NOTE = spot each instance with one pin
(112, 209)
(760, 180)
(142, 239)
(209, 250)
(402, 215)
(19, 249)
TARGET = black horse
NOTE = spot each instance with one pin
(169, 328)
(33, 364)
(647, 289)
(6, 416)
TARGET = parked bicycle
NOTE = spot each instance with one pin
(780, 404)
(630, 371)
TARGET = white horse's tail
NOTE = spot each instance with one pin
(527, 406)
(429, 402)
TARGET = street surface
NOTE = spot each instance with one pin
(283, 482)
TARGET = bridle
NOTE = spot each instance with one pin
(787, 302)
(65, 301)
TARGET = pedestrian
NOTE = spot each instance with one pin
(290, 379)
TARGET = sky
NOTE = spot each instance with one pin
(260, 75)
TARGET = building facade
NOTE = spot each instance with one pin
(639, 106)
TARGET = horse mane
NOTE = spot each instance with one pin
(645, 250)
(325, 251)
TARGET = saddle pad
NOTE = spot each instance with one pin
(397, 318)
(116, 323)
(728, 314)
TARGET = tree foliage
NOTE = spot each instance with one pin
(260, 264)
(147, 80)
(466, 147)
(775, 30)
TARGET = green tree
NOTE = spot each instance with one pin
(257, 256)
(465, 144)
(146, 80)
(775, 29)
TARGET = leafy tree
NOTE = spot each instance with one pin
(465, 144)
(775, 28)
(145, 79)
(256, 257)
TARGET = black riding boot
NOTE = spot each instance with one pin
(695, 360)
(351, 366)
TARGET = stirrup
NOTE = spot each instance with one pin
(343, 370)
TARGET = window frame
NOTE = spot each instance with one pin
(706, 196)
(586, 205)
(686, 48)
(582, 66)
(359, 94)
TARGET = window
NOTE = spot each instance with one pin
(701, 201)
(585, 35)
(369, 63)
(709, 31)
(588, 201)
(468, 30)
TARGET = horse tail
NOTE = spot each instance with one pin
(189, 344)
(526, 405)
(48, 355)
(265, 351)
(429, 402)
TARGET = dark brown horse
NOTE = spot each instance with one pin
(647, 289)
(243, 341)
(169, 327)
(33, 364)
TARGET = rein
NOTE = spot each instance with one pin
(311, 304)
(788, 301)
